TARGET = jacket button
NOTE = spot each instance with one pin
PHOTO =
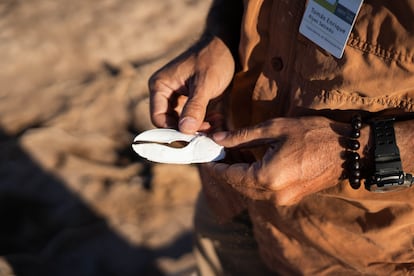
(277, 64)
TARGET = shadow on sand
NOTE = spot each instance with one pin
(47, 230)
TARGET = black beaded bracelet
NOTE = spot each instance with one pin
(388, 174)
(354, 161)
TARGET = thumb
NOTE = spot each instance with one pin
(194, 112)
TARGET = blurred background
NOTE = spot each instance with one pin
(74, 198)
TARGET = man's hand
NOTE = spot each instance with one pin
(181, 91)
(303, 156)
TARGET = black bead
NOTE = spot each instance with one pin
(354, 144)
(355, 182)
(354, 156)
(356, 133)
(357, 125)
(355, 165)
(356, 122)
(356, 174)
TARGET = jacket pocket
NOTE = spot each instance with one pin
(377, 69)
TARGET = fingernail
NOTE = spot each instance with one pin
(218, 136)
(188, 125)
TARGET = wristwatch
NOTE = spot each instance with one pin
(389, 174)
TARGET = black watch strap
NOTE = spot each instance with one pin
(389, 174)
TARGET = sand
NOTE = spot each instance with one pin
(74, 198)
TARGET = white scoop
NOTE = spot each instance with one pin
(158, 145)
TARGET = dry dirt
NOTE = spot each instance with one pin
(74, 198)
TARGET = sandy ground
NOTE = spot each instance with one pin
(74, 198)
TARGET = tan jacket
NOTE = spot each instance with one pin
(338, 230)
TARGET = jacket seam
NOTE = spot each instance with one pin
(386, 101)
(338, 96)
(377, 50)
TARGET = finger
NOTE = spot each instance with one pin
(194, 111)
(161, 113)
(242, 177)
(244, 137)
(164, 97)
(215, 121)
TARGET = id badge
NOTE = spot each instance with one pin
(328, 23)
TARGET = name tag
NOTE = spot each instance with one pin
(328, 23)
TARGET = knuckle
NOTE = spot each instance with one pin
(152, 82)
(194, 104)
(241, 134)
(244, 133)
(155, 121)
(195, 108)
(264, 176)
(155, 82)
(284, 198)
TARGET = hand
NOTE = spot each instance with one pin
(303, 156)
(181, 91)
